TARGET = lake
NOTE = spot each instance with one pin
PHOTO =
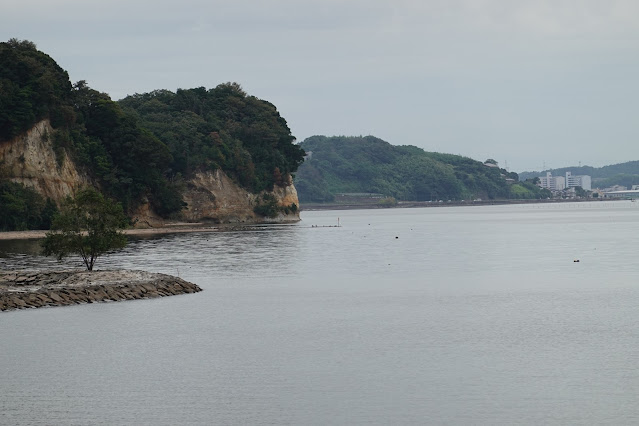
(447, 315)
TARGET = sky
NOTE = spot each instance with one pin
(532, 84)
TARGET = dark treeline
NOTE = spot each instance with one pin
(22, 208)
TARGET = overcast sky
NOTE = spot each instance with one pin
(527, 83)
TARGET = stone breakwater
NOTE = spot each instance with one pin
(24, 289)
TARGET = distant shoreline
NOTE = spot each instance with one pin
(172, 229)
(418, 204)
(178, 228)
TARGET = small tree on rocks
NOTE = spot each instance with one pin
(88, 225)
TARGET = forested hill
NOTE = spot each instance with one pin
(219, 128)
(144, 147)
(626, 174)
(370, 165)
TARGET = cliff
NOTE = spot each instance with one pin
(212, 196)
(29, 159)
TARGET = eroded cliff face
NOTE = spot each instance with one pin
(211, 196)
(214, 196)
(29, 159)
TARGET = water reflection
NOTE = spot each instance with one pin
(230, 253)
(12, 247)
(251, 250)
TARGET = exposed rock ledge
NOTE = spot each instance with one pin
(23, 289)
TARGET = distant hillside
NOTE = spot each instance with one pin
(626, 174)
(370, 165)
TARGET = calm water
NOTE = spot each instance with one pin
(474, 315)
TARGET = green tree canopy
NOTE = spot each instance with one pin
(221, 128)
(88, 225)
(32, 87)
(22, 208)
(146, 146)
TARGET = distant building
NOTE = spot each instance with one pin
(623, 194)
(553, 183)
(615, 188)
(584, 181)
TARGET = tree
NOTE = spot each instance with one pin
(23, 208)
(88, 225)
(580, 192)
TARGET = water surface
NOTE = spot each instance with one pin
(451, 315)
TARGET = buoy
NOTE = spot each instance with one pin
(576, 260)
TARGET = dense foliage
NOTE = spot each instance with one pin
(627, 180)
(88, 225)
(370, 165)
(220, 128)
(23, 208)
(127, 162)
(32, 87)
(144, 147)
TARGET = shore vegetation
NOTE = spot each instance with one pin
(88, 225)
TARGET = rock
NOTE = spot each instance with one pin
(213, 196)
(29, 159)
(55, 297)
(60, 288)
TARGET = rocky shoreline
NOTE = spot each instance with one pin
(37, 289)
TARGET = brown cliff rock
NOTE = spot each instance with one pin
(210, 196)
(213, 196)
(29, 159)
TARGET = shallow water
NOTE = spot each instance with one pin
(449, 315)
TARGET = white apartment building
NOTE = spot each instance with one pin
(559, 183)
(583, 180)
(553, 183)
